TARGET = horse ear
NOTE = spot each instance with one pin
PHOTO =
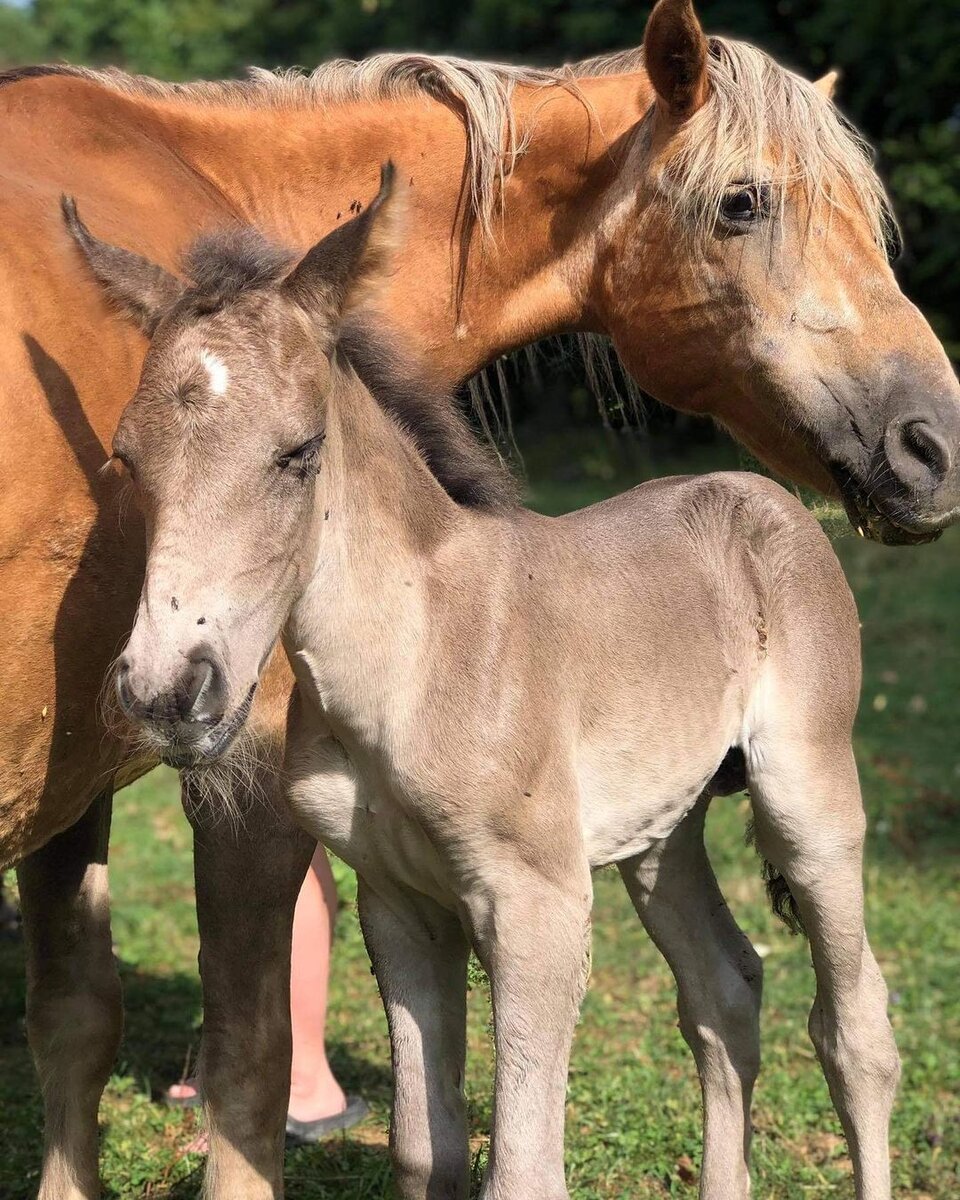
(675, 55)
(140, 289)
(826, 85)
(340, 271)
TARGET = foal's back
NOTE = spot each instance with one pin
(695, 612)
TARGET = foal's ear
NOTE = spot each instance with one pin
(343, 268)
(675, 55)
(140, 289)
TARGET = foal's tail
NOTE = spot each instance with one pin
(782, 900)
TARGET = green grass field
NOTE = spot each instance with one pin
(633, 1113)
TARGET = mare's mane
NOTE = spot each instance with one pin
(760, 122)
(759, 118)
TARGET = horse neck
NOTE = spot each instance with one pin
(356, 634)
(298, 173)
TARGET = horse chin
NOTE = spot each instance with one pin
(885, 524)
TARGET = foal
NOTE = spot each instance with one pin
(491, 703)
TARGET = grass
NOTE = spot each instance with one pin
(633, 1113)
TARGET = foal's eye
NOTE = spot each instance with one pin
(124, 461)
(303, 460)
(744, 203)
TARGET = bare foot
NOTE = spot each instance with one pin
(316, 1097)
(197, 1145)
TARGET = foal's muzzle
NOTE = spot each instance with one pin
(187, 719)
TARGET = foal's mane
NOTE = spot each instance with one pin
(223, 264)
(468, 469)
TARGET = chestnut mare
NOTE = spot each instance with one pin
(467, 733)
(704, 208)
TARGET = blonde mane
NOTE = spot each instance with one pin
(761, 123)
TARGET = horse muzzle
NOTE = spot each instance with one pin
(186, 720)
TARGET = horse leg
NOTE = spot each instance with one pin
(247, 881)
(810, 825)
(531, 928)
(719, 980)
(74, 1007)
(419, 953)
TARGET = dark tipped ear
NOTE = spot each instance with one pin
(675, 55)
(343, 268)
(139, 289)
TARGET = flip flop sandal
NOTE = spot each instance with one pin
(305, 1133)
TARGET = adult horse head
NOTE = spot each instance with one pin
(742, 267)
(710, 211)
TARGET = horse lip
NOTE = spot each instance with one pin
(199, 755)
(876, 522)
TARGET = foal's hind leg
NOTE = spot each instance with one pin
(419, 952)
(810, 825)
(74, 1010)
(719, 979)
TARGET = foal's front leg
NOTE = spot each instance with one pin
(531, 927)
(419, 953)
(74, 1010)
(247, 882)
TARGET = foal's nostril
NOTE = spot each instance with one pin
(197, 683)
(124, 692)
(202, 693)
(918, 454)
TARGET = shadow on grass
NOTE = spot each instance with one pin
(330, 1171)
(161, 1036)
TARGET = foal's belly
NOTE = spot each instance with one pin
(617, 830)
(635, 793)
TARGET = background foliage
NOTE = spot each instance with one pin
(900, 63)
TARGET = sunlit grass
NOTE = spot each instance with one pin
(633, 1113)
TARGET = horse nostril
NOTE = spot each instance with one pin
(917, 453)
(197, 682)
(124, 692)
(202, 693)
(928, 446)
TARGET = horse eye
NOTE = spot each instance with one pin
(302, 457)
(743, 204)
(124, 461)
